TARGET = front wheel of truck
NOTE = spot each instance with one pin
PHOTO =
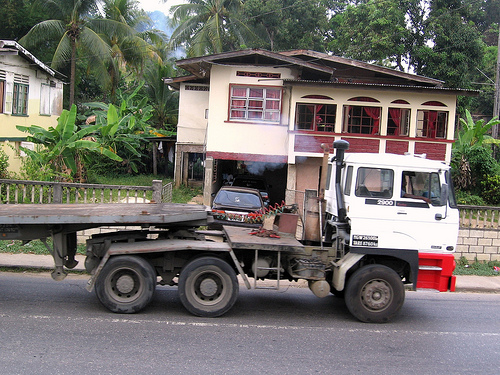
(374, 294)
(208, 287)
(126, 284)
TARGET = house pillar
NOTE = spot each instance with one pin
(178, 166)
(207, 184)
(185, 168)
(291, 184)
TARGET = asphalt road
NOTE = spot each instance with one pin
(60, 328)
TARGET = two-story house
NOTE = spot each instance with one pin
(267, 113)
(31, 93)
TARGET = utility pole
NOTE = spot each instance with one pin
(496, 104)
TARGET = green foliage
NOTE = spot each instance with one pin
(457, 44)
(184, 194)
(472, 159)
(32, 170)
(33, 247)
(464, 267)
(124, 130)
(474, 134)
(4, 164)
(372, 31)
(208, 26)
(490, 189)
(64, 145)
(467, 198)
(76, 29)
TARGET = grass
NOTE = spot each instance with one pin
(33, 247)
(464, 267)
(183, 194)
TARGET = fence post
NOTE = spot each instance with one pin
(57, 191)
(157, 185)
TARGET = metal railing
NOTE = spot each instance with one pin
(21, 191)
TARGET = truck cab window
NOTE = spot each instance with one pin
(348, 181)
(421, 185)
(374, 182)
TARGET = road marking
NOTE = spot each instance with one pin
(255, 326)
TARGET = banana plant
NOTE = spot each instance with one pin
(65, 144)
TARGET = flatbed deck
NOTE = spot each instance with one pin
(103, 214)
(241, 239)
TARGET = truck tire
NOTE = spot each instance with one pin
(126, 284)
(374, 293)
(208, 287)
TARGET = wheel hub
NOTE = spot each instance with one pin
(208, 287)
(376, 295)
(125, 284)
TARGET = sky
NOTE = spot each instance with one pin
(152, 5)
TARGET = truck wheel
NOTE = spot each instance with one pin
(208, 287)
(374, 294)
(126, 284)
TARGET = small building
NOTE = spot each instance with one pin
(268, 113)
(31, 93)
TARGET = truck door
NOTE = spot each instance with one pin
(420, 215)
(400, 209)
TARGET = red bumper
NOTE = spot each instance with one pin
(435, 271)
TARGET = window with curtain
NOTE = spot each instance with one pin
(398, 122)
(255, 103)
(432, 124)
(315, 117)
(361, 119)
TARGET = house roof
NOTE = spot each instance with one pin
(11, 47)
(314, 68)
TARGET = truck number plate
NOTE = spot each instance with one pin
(364, 240)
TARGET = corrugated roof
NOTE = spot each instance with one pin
(9, 46)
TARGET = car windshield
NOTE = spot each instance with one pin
(238, 199)
(249, 183)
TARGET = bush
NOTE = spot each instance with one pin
(481, 164)
(32, 170)
(4, 164)
(466, 197)
(491, 189)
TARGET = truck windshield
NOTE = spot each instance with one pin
(421, 185)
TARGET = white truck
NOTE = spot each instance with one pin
(383, 221)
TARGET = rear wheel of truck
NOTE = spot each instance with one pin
(374, 293)
(126, 284)
(208, 287)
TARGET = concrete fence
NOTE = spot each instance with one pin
(479, 235)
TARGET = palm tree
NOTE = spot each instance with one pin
(76, 29)
(129, 51)
(208, 26)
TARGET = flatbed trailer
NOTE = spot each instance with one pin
(371, 241)
(61, 222)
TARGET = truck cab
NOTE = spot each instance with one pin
(397, 209)
(397, 202)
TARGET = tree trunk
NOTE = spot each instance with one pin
(72, 78)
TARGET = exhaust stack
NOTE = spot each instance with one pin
(340, 146)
